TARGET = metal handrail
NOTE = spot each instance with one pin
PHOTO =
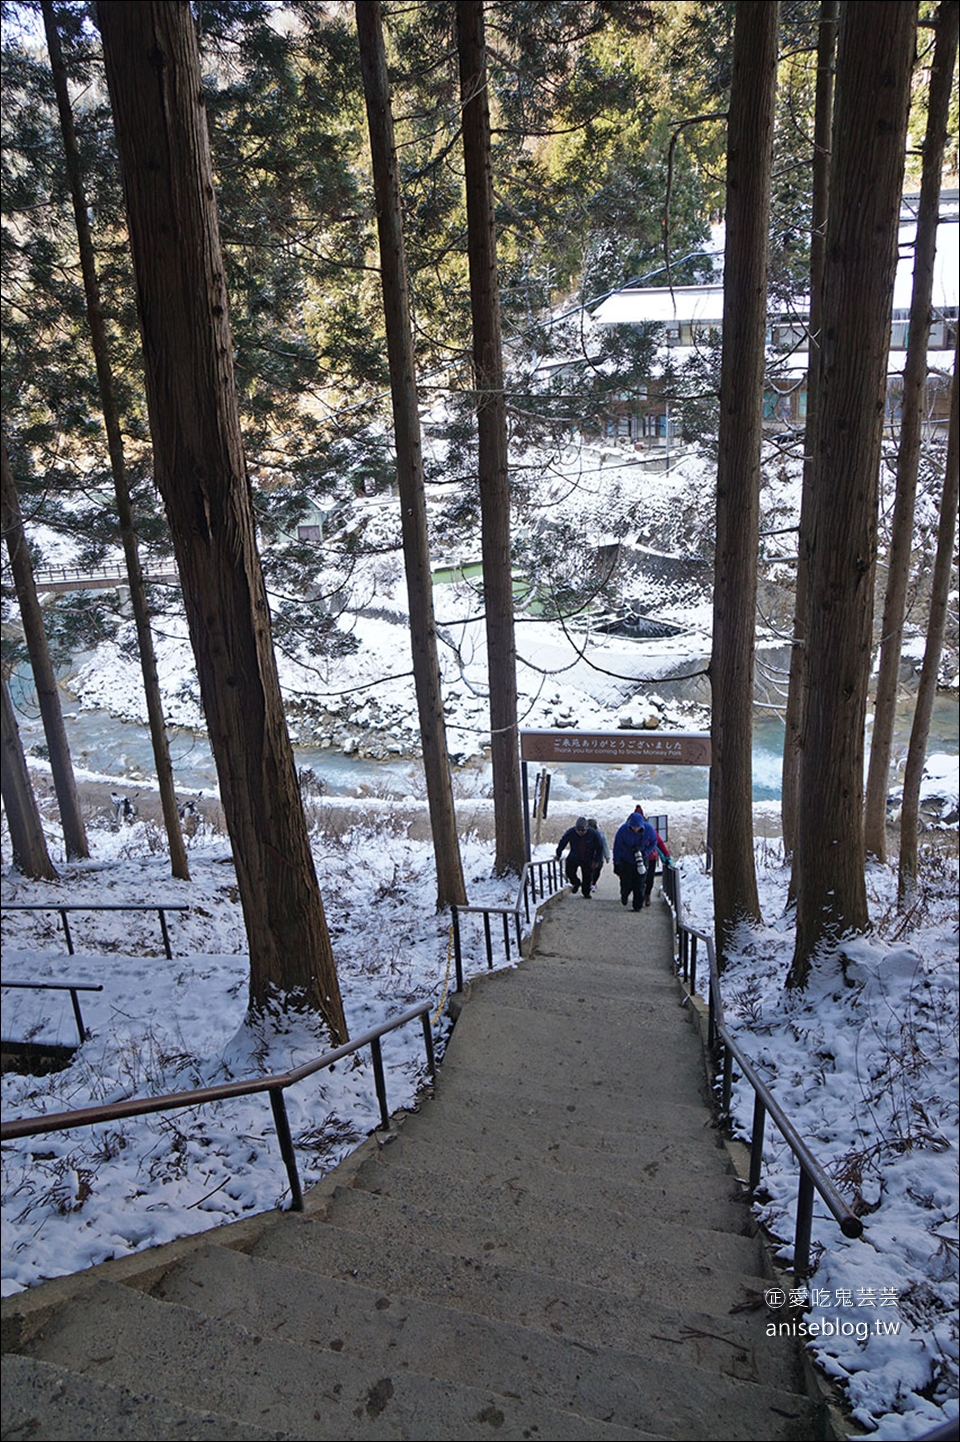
(812, 1175)
(540, 881)
(71, 986)
(274, 1085)
(63, 907)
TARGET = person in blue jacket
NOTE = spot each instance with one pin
(585, 851)
(631, 848)
(651, 855)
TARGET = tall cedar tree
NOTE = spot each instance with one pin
(492, 467)
(822, 128)
(156, 92)
(451, 890)
(111, 419)
(48, 695)
(874, 65)
(929, 671)
(27, 841)
(911, 428)
(749, 155)
(42, 665)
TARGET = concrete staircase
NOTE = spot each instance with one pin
(554, 1246)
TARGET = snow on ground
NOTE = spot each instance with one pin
(161, 1026)
(866, 1061)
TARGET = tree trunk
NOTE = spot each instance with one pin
(936, 625)
(749, 157)
(874, 64)
(156, 91)
(111, 419)
(493, 472)
(27, 840)
(793, 720)
(911, 425)
(451, 890)
(48, 697)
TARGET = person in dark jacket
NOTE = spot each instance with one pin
(631, 846)
(585, 852)
(593, 825)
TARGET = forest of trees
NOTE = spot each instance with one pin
(247, 245)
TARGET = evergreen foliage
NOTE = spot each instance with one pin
(609, 132)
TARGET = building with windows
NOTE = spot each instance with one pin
(689, 320)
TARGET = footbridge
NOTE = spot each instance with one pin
(61, 579)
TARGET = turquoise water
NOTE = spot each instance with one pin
(105, 746)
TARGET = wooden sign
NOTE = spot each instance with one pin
(651, 748)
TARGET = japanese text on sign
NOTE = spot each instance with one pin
(663, 748)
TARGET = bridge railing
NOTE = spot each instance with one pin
(60, 577)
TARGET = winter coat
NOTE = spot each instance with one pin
(634, 842)
(584, 846)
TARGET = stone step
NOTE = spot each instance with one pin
(577, 1018)
(521, 1051)
(535, 1124)
(610, 980)
(597, 1098)
(41, 1400)
(646, 1001)
(300, 1386)
(654, 1260)
(732, 1341)
(586, 931)
(693, 1192)
(396, 1332)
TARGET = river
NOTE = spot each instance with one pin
(106, 748)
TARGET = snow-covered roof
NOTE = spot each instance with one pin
(946, 266)
(655, 305)
(702, 305)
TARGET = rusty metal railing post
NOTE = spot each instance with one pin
(66, 931)
(756, 1140)
(380, 1082)
(727, 1078)
(457, 952)
(77, 1016)
(428, 1045)
(801, 1246)
(282, 1124)
(166, 934)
